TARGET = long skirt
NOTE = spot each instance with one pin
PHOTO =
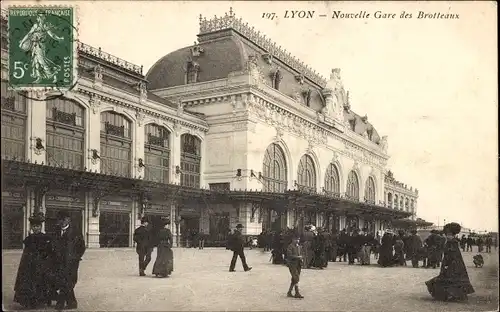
(164, 264)
(364, 255)
(308, 255)
(34, 277)
(445, 289)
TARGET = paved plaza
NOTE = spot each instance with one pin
(109, 281)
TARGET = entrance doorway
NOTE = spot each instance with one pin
(190, 226)
(12, 226)
(114, 229)
(218, 230)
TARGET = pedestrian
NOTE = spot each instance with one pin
(414, 248)
(386, 255)
(69, 248)
(201, 240)
(164, 263)
(463, 242)
(488, 242)
(294, 263)
(470, 242)
(33, 281)
(307, 247)
(143, 247)
(237, 245)
(452, 283)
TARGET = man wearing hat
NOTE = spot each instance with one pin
(69, 248)
(294, 263)
(237, 246)
(143, 247)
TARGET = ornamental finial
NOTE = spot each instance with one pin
(231, 13)
(201, 18)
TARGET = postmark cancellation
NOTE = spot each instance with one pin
(42, 47)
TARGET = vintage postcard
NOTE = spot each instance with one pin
(249, 156)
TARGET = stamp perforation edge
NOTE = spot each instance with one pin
(76, 28)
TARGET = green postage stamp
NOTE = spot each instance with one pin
(42, 47)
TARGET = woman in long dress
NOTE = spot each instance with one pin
(453, 282)
(32, 287)
(386, 256)
(164, 264)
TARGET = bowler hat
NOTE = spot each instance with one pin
(37, 218)
(61, 214)
(144, 220)
(239, 226)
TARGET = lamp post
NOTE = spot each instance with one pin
(177, 221)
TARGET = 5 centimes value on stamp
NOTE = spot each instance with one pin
(42, 47)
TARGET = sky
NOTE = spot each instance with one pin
(430, 85)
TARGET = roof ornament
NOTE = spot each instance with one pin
(196, 50)
(230, 21)
(365, 118)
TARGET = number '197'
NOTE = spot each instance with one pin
(270, 16)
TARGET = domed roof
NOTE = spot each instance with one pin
(217, 59)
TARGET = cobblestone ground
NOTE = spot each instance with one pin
(109, 281)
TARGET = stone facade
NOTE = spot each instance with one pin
(398, 195)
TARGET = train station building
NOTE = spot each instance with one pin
(232, 129)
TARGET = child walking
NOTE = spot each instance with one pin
(294, 262)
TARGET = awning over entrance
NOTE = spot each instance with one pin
(23, 174)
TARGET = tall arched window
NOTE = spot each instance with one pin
(352, 189)
(396, 201)
(65, 133)
(407, 204)
(401, 203)
(274, 169)
(389, 200)
(190, 160)
(306, 174)
(332, 180)
(370, 190)
(156, 153)
(116, 144)
(13, 123)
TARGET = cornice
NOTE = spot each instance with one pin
(119, 97)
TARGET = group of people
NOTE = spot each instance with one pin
(481, 242)
(48, 270)
(145, 240)
(315, 247)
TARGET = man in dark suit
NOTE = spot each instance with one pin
(143, 247)
(69, 247)
(237, 245)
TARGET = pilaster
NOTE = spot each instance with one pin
(36, 130)
(93, 224)
(139, 148)
(175, 156)
(94, 142)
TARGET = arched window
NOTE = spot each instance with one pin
(389, 200)
(412, 206)
(407, 205)
(65, 133)
(370, 190)
(332, 180)
(306, 174)
(13, 123)
(156, 153)
(192, 72)
(116, 144)
(274, 169)
(190, 160)
(401, 203)
(352, 189)
(396, 202)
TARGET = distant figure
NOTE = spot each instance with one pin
(488, 242)
(142, 239)
(386, 256)
(414, 248)
(32, 288)
(164, 264)
(453, 282)
(463, 242)
(237, 245)
(294, 262)
(470, 242)
(201, 240)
